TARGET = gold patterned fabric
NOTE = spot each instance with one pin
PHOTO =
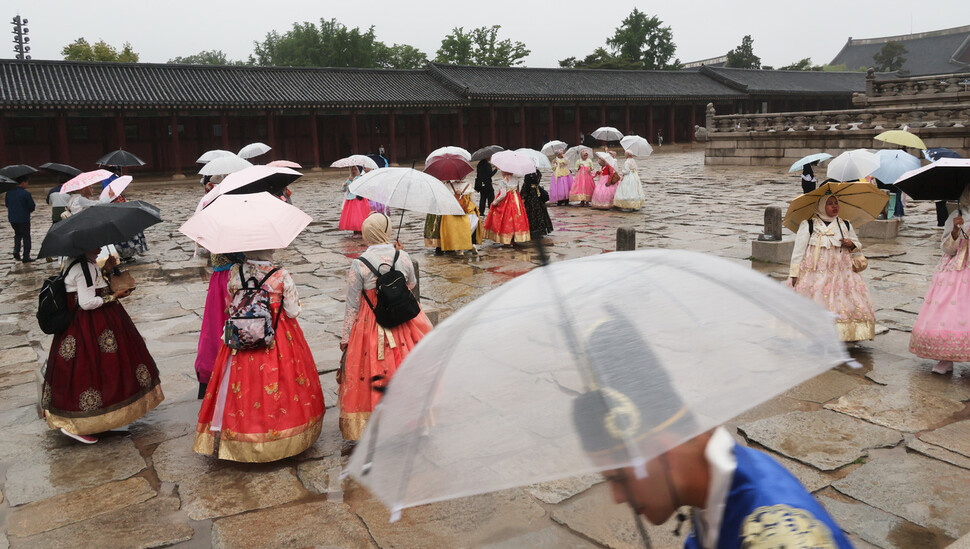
(68, 348)
(107, 342)
(257, 448)
(106, 419)
(784, 527)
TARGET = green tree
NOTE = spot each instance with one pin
(891, 57)
(644, 40)
(206, 57)
(401, 56)
(743, 57)
(801, 65)
(330, 45)
(82, 50)
(480, 46)
(600, 59)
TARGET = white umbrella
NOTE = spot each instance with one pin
(407, 189)
(541, 161)
(550, 148)
(209, 156)
(254, 149)
(244, 222)
(252, 180)
(607, 133)
(608, 158)
(513, 162)
(639, 146)
(852, 165)
(115, 188)
(449, 150)
(225, 165)
(573, 154)
(355, 160)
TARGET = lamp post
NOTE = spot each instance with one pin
(20, 38)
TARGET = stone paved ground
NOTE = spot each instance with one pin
(885, 448)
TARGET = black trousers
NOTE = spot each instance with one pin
(487, 196)
(21, 235)
(807, 186)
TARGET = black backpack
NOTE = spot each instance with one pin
(395, 302)
(53, 313)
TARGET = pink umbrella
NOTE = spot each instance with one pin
(244, 222)
(253, 179)
(115, 188)
(85, 179)
(513, 162)
(285, 164)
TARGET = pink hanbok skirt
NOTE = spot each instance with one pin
(832, 284)
(582, 189)
(214, 318)
(603, 193)
(559, 188)
(942, 329)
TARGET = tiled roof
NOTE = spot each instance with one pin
(756, 81)
(500, 83)
(927, 53)
(133, 85)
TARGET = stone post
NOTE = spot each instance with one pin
(870, 82)
(769, 247)
(772, 232)
(709, 118)
(626, 239)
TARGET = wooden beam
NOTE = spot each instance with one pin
(314, 139)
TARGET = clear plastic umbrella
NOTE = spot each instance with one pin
(852, 165)
(550, 148)
(407, 189)
(486, 152)
(224, 165)
(639, 146)
(254, 149)
(607, 133)
(449, 150)
(541, 161)
(209, 156)
(355, 160)
(573, 154)
(608, 158)
(670, 342)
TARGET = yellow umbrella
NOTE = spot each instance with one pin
(859, 203)
(901, 137)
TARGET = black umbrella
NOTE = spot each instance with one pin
(6, 184)
(486, 152)
(941, 180)
(61, 169)
(97, 226)
(120, 158)
(17, 171)
(379, 160)
(274, 184)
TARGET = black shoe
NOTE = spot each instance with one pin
(202, 388)
(16, 257)
(28, 260)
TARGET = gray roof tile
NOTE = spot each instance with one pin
(928, 53)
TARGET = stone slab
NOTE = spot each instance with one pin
(900, 408)
(174, 461)
(878, 527)
(824, 387)
(18, 355)
(922, 490)
(553, 537)
(313, 524)
(772, 252)
(824, 439)
(934, 451)
(882, 229)
(322, 475)
(557, 491)
(240, 488)
(954, 437)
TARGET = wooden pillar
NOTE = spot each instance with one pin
(552, 126)
(353, 133)
(63, 152)
(271, 133)
(120, 129)
(693, 122)
(461, 127)
(522, 124)
(650, 135)
(426, 132)
(579, 122)
(602, 115)
(314, 139)
(224, 125)
(391, 128)
(672, 135)
(491, 124)
(626, 118)
(3, 149)
(176, 153)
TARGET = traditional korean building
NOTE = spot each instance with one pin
(938, 52)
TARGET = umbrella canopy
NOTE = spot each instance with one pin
(6, 184)
(941, 180)
(115, 188)
(853, 165)
(513, 162)
(244, 222)
(407, 189)
(639, 146)
(550, 148)
(893, 164)
(98, 226)
(449, 150)
(901, 137)
(379, 160)
(932, 154)
(255, 179)
(285, 164)
(209, 156)
(573, 154)
(448, 167)
(61, 169)
(608, 158)
(355, 160)
(120, 158)
(465, 415)
(800, 163)
(541, 161)
(224, 165)
(607, 133)
(18, 171)
(254, 149)
(486, 152)
(859, 203)
(85, 179)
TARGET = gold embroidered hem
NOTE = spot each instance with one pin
(258, 448)
(432, 242)
(352, 424)
(858, 330)
(630, 204)
(107, 419)
(580, 197)
(525, 236)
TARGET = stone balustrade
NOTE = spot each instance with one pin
(887, 118)
(917, 85)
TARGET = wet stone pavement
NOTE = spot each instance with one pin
(886, 448)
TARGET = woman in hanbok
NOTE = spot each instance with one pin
(605, 186)
(214, 317)
(459, 233)
(507, 221)
(562, 180)
(941, 331)
(583, 186)
(534, 198)
(355, 209)
(629, 191)
(80, 200)
(99, 375)
(821, 270)
(263, 404)
(374, 205)
(372, 353)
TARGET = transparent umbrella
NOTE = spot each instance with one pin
(852, 165)
(541, 161)
(668, 341)
(573, 154)
(254, 149)
(550, 148)
(639, 146)
(407, 189)
(225, 164)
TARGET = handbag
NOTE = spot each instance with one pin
(859, 262)
(614, 178)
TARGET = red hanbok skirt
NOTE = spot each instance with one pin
(273, 405)
(371, 353)
(99, 373)
(507, 221)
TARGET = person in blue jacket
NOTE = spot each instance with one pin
(19, 207)
(739, 497)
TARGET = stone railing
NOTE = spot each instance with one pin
(917, 85)
(886, 118)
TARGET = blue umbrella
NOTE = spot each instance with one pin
(379, 160)
(940, 152)
(820, 157)
(894, 163)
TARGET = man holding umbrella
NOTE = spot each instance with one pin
(19, 207)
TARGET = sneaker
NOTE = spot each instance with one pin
(80, 438)
(943, 367)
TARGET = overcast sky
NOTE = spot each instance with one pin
(783, 32)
